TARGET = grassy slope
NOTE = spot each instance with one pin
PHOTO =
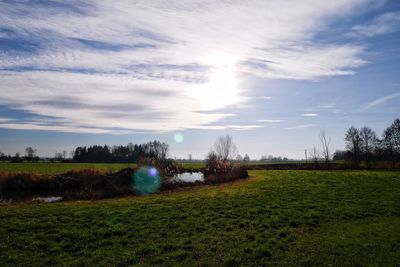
(274, 218)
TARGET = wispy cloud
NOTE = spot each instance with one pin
(382, 24)
(379, 101)
(327, 105)
(303, 126)
(266, 97)
(309, 114)
(269, 120)
(233, 127)
(2, 119)
(154, 66)
(57, 128)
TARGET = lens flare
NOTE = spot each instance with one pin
(178, 138)
(146, 180)
(153, 171)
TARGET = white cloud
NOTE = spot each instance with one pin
(269, 120)
(303, 126)
(157, 66)
(109, 102)
(233, 127)
(2, 119)
(266, 97)
(379, 101)
(309, 114)
(382, 24)
(67, 129)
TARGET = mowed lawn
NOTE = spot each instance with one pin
(286, 218)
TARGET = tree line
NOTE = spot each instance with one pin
(100, 153)
(364, 146)
(121, 154)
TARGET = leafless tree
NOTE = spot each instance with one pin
(369, 139)
(246, 158)
(325, 147)
(353, 144)
(225, 148)
(314, 156)
(30, 152)
(239, 158)
(391, 140)
(58, 156)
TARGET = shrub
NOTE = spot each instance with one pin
(166, 167)
(219, 170)
(82, 184)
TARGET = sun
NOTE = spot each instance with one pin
(221, 90)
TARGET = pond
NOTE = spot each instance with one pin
(187, 177)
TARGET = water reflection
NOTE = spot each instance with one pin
(187, 177)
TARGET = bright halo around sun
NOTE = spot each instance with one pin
(222, 88)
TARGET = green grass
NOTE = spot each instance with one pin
(56, 168)
(192, 165)
(284, 218)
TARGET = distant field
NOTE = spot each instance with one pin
(274, 218)
(55, 168)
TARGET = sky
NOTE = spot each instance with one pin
(272, 74)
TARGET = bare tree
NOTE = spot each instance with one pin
(58, 156)
(391, 140)
(325, 147)
(314, 156)
(246, 158)
(225, 148)
(369, 139)
(395, 135)
(305, 153)
(30, 153)
(353, 144)
(239, 158)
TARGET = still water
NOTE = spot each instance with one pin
(187, 177)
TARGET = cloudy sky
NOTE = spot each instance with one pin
(271, 74)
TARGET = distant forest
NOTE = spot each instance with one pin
(130, 153)
(121, 154)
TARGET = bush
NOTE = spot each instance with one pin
(82, 184)
(219, 170)
(165, 167)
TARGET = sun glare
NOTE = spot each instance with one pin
(222, 88)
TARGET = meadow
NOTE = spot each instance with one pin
(57, 168)
(283, 218)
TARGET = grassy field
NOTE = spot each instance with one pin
(286, 218)
(56, 168)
